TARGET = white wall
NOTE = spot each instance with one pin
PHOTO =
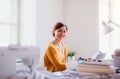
(48, 13)
(28, 22)
(104, 16)
(81, 16)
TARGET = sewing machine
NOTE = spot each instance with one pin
(8, 55)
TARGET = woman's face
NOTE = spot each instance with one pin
(60, 33)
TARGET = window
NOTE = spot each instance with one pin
(8, 22)
(115, 34)
(17, 22)
(110, 42)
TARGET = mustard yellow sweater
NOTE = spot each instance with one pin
(55, 58)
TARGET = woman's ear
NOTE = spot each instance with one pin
(53, 33)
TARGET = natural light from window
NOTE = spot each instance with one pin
(17, 22)
(109, 10)
(7, 22)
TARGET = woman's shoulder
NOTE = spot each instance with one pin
(51, 44)
(51, 47)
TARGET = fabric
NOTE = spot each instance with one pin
(55, 58)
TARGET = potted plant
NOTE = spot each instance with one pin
(71, 55)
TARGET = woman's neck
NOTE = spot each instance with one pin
(58, 43)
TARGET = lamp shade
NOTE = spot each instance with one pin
(107, 28)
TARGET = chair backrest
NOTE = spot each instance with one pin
(116, 61)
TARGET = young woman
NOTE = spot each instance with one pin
(55, 54)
